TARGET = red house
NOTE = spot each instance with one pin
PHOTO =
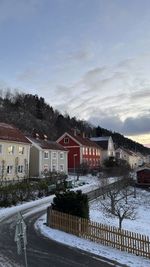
(143, 176)
(81, 150)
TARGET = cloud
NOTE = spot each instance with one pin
(14, 9)
(81, 55)
(131, 126)
(116, 97)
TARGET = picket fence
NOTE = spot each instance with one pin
(107, 235)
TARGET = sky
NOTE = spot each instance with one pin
(89, 59)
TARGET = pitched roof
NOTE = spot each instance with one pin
(100, 138)
(46, 144)
(10, 133)
(83, 140)
(102, 141)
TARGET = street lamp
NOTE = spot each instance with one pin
(74, 158)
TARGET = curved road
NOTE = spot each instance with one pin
(41, 251)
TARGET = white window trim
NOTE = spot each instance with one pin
(8, 168)
(46, 152)
(22, 150)
(66, 138)
(20, 169)
(12, 150)
(55, 167)
(54, 155)
(62, 170)
(61, 155)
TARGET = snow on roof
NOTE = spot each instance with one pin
(101, 138)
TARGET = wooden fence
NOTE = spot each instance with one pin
(107, 235)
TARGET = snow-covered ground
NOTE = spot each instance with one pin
(140, 225)
(107, 252)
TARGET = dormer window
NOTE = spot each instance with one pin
(11, 150)
(66, 140)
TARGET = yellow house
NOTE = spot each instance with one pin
(14, 153)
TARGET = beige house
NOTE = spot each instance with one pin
(47, 156)
(107, 146)
(14, 153)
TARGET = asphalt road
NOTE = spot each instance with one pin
(41, 251)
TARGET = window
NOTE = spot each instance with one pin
(89, 151)
(54, 155)
(9, 169)
(11, 150)
(54, 168)
(46, 155)
(83, 150)
(61, 155)
(66, 140)
(20, 169)
(61, 167)
(86, 151)
(0, 149)
(21, 150)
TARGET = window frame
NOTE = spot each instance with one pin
(21, 152)
(9, 169)
(66, 140)
(46, 152)
(20, 169)
(11, 152)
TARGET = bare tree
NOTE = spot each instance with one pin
(115, 204)
(124, 211)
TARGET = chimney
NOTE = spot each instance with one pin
(37, 136)
(45, 137)
(83, 134)
(75, 132)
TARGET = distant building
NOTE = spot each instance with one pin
(81, 150)
(107, 146)
(47, 156)
(134, 160)
(143, 176)
(14, 153)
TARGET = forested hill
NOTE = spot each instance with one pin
(30, 112)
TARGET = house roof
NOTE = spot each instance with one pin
(127, 151)
(10, 133)
(100, 138)
(46, 144)
(83, 140)
(102, 141)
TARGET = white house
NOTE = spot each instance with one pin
(131, 157)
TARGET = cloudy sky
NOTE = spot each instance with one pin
(90, 59)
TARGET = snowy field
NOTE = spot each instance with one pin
(141, 224)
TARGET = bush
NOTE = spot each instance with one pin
(74, 203)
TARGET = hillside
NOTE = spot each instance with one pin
(31, 113)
